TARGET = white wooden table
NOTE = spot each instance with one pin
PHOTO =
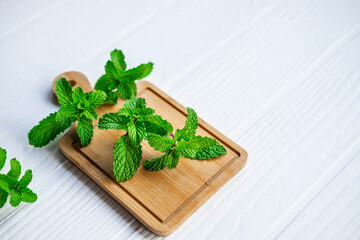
(280, 78)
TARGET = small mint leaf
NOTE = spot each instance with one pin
(3, 197)
(2, 157)
(118, 58)
(136, 132)
(127, 159)
(155, 164)
(63, 91)
(85, 130)
(26, 179)
(15, 198)
(113, 121)
(15, 169)
(160, 143)
(190, 127)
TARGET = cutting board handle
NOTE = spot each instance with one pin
(76, 79)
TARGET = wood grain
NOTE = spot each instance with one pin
(161, 200)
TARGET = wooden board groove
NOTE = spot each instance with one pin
(164, 199)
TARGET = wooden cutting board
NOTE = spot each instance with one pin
(161, 200)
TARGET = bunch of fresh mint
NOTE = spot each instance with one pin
(141, 123)
(117, 77)
(75, 106)
(10, 183)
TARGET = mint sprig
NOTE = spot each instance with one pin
(11, 185)
(137, 120)
(75, 106)
(183, 144)
(116, 77)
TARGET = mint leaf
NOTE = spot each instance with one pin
(96, 98)
(160, 143)
(155, 164)
(136, 132)
(139, 72)
(135, 103)
(15, 198)
(63, 91)
(3, 197)
(113, 121)
(106, 82)
(85, 130)
(66, 112)
(26, 179)
(187, 149)
(118, 58)
(90, 113)
(15, 169)
(6, 182)
(172, 159)
(27, 195)
(156, 124)
(47, 130)
(127, 159)
(124, 90)
(126, 112)
(78, 95)
(211, 151)
(190, 127)
(2, 157)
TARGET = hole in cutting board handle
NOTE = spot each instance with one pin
(76, 79)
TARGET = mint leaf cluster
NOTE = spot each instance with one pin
(139, 121)
(11, 185)
(75, 106)
(183, 144)
(117, 77)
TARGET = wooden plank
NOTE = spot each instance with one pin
(160, 200)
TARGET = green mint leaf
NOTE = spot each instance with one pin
(139, 72)
(78, 95)
(146, 112)
(156, 124)
(127, 159)
(135, 103)
(47, 130)
(96, 98)
(207, 147)
(126, 112)
(211, 151)
(136, 132)
(112, 71)
(111, 98)
(190, 127)
(3, 197)
(113, 121)
(27, 195)
(118, 58)
(160, 143)
(6, 182)
(172, 159)
(66, 112)
(15, 169)
(186, 149)
(2, 157)
(90, 113)
(124, 90)
(26, 179)
(106, 82)
(85, 130)
(155, 164)
(15, 198)
(133, 88)
(63, 91)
